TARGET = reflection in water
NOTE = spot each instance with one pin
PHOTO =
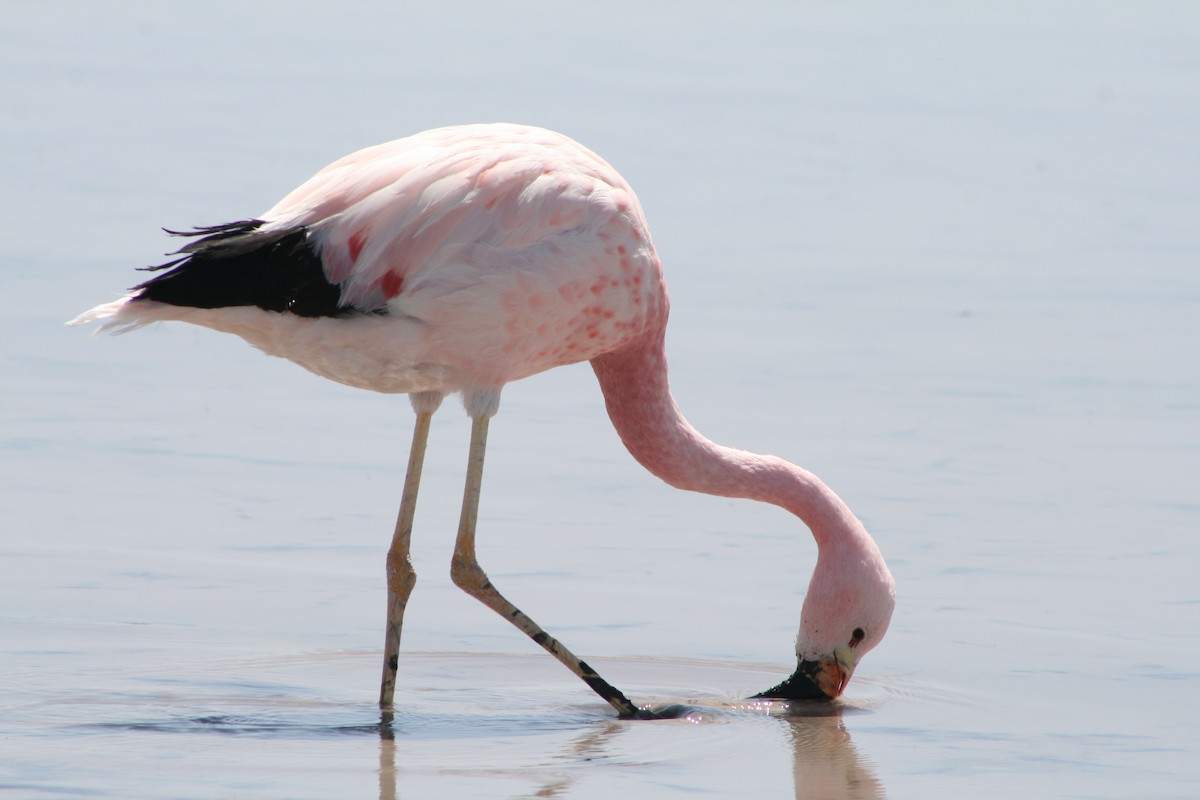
(589, 745)
(825, 762)
(387, 767)
(387, 756)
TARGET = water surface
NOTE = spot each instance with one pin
(943, 257)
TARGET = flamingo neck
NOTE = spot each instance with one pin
(650, 424)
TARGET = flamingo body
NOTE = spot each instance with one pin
(460, 259)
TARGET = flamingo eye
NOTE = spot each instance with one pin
(856, 637)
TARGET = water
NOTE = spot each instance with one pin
(945, 257)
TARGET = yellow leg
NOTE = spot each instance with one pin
(401, 577)
(470, 577)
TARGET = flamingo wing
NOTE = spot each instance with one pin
(392, 214)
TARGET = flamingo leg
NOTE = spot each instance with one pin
(470, 577)
(401, 577)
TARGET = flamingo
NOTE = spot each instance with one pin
(457, 260)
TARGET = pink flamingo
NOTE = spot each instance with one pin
(460, 259)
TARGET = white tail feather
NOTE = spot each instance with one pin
(122, 316)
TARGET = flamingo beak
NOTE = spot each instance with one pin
(820, 679)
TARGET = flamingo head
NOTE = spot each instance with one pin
(846, 613)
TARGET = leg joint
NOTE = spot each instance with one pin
(469, 576)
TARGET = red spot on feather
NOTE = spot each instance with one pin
(357, 240)
(391, 284)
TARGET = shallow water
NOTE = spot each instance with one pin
(944, 258)
(471, 723)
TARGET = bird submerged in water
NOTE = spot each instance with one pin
(458, 260)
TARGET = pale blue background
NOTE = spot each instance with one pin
(945, 255)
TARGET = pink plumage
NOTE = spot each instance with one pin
(459, 259)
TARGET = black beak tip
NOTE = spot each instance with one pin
(800, 686)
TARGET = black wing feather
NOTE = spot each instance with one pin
(237, 265)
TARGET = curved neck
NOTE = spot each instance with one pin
(638, 397)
